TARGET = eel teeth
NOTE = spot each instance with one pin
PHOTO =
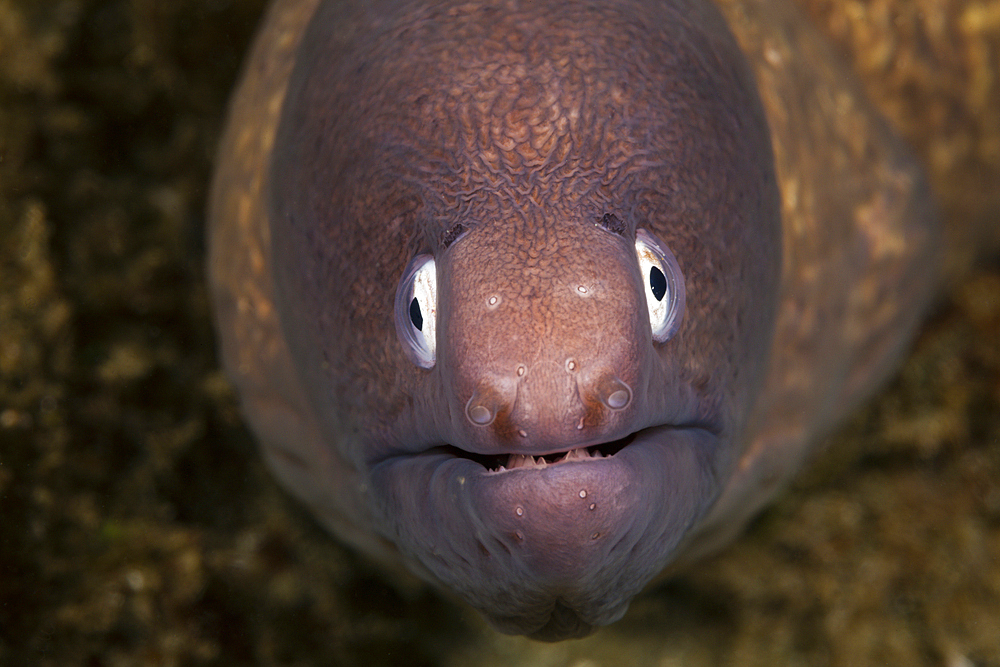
(521, 461)
(578, 454)
(528, 461)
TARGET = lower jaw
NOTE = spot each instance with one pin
(548, 548)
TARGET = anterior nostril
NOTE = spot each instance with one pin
(483, 406)
(618, 399)
(614, 393)
(480, 414)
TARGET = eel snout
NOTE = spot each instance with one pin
(543, 364)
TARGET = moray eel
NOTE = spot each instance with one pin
(538, 298)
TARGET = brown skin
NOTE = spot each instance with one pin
(498, 140)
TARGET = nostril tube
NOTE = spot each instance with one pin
(483, 406)
(480, 414)
(614, 393)
(618, 399)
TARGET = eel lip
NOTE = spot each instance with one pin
(550, 549)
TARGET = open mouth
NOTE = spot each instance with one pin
(505, 462)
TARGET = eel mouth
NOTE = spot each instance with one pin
(549, 545)
(498, 463)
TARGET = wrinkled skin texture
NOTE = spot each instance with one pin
(499, 138)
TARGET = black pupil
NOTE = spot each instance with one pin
(418, 319)
(657, 283)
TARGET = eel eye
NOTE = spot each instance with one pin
(416, 311)
(664, 284)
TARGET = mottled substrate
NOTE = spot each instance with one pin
(933, 68)
(138, 526)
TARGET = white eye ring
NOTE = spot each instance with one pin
(416, 311)
(664, 285)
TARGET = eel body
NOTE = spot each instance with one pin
(538, 298)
